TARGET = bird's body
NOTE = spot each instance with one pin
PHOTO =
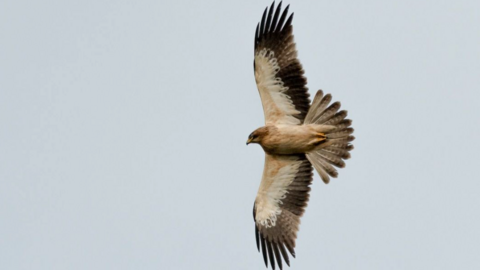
(290, 139)
(297, 137)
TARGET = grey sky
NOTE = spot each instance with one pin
(123, 128)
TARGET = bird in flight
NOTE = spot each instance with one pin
(296, 136)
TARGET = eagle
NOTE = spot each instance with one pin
(297, 135)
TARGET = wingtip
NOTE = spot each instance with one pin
(289, 20)
(264, 250)
(262, 24)
(270, 255)
(257, 236)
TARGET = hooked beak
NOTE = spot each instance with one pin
(249, 141)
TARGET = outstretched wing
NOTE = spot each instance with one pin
(278, 73)
(280, 202)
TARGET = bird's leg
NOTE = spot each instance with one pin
(319, 138)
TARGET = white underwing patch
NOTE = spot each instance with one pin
(278, 107)
(268, 203)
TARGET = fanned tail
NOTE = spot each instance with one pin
(335, 149)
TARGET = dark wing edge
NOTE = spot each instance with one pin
(276, 34)
(275, 241)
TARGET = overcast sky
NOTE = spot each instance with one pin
(123, 128)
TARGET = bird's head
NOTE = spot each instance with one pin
(257, 135)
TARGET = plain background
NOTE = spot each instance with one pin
(123, 128)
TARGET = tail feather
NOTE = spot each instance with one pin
(337, 118)
(340, 134)
(339, 143)
(329, 169)
(319, 105)
(343, 124)
(328, 113)
(324, 169)
(335, 149)
(331, 158)
(343, 153)
(319, 166)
